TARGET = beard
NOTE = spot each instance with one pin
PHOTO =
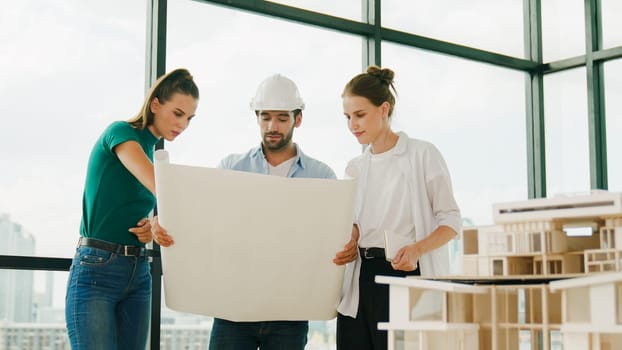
(280, 144)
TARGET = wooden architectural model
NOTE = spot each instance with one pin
(591, 311)
(548, 236)
(512, 315)
(545, 276)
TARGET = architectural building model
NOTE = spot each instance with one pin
(545, 276)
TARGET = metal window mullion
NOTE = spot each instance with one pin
(155, 67)
(607, 54)
(536, 150)
(456, 50)
(155, 56)
(596, 96)
(365, 28)
(372, 44)
(601, 55)
(295, 14)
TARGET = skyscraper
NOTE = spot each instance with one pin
(16, 286)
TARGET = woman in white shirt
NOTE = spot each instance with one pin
(405, 204)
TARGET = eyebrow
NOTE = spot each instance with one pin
(183, 112)
(279, 114)
(180, 110)
(355, 112)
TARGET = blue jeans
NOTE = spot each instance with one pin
(266, 335)
(108, 302)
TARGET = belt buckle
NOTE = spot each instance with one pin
(125, 250)
(365, 250)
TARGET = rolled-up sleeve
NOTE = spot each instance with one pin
(440, 192)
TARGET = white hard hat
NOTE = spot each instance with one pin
(277, 93)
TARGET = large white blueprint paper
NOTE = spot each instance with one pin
(252, 247)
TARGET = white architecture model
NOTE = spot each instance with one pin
(546, 274)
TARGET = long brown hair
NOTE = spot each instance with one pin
(177, 81)
(375, 85)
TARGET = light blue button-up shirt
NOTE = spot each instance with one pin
(254, 161)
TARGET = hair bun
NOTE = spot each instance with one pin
(384, 74)
(184, 73)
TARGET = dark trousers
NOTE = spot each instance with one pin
(361, 333)
(266, 335)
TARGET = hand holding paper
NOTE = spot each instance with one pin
(350, 250)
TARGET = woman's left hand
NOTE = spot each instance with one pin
(406, 258)
(350, 250)
(142, 231)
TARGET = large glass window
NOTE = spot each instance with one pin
(566, 132)
(563, 29)
(611, 11)
(67, 69)
(471, 23)
(475, 114)
(29, 299)
(613, 110)
(229, 55)
(70, 68)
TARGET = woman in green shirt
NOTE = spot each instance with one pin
(109, 288)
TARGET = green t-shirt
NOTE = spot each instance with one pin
(114, 200)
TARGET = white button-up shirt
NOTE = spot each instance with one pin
(431, 202)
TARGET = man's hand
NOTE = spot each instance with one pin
(160, 235)
(142, 231)
(350, 250)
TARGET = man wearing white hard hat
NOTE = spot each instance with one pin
(278, 109)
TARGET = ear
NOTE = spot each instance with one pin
(384, 109)
(155, 105)
(298, 120)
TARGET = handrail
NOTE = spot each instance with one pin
(16, 262)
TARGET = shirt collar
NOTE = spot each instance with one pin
(402, 143)
(400, 147)
(257, 154)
